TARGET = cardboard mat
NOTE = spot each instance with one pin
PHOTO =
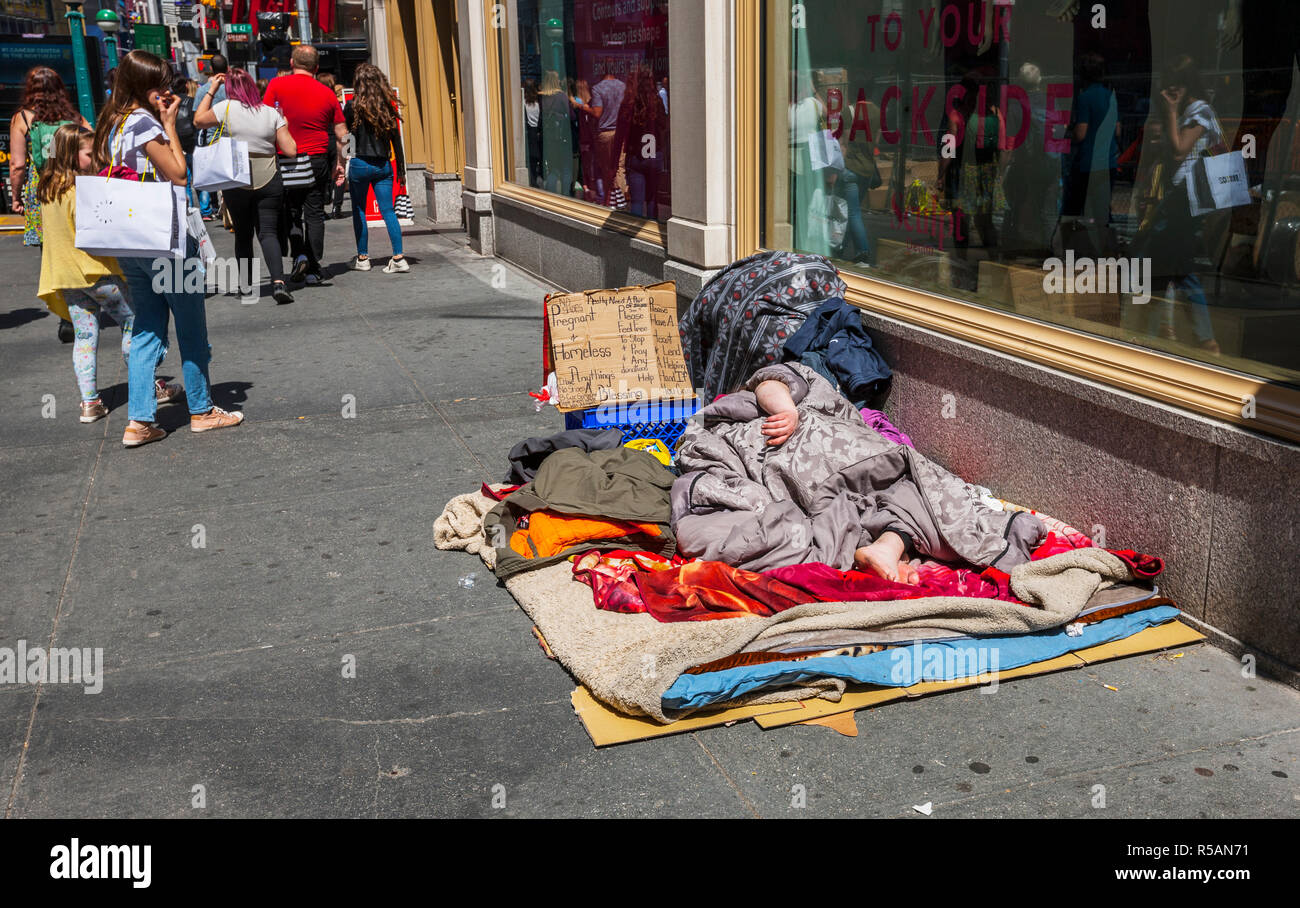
(605, 726)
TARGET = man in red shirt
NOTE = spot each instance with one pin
(315, 119)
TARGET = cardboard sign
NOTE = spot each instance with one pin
(616, 346)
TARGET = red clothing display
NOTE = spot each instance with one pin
(310, 107)
(322, 13)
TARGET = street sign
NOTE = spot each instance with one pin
(153, 38)
(239, 33)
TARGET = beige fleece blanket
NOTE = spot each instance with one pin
(629, 661)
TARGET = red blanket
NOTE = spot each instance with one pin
(705, 590)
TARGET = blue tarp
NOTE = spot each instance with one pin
(904, 666)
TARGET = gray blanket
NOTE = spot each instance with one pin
(834, 486)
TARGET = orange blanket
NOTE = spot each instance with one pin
(548, 533)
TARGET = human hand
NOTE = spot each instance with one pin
(339, 173)
(168, 106)
(1172, 96)
(780, 426)
(217, 80)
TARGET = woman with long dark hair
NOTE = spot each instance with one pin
(137, 130)
(372, 117)
(1175, 239)
(645, 144)
(244, 117)
(46, 105)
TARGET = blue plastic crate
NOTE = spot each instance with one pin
(661, 419)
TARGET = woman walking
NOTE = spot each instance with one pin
(1174, 238)
(256, 209)
(45, 107)
(137, 130)
(74, 284)
(557, 135)
(644, 142)
(372, 118)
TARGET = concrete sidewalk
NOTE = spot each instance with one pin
(224, 663)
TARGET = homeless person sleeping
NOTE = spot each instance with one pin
(799, 551)
(799, 545)
(786, 472)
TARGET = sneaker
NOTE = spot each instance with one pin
(165, 393)
(216, 418)
(360, 264)
(396, 266)
(299, 269)
(135, 436)
(93, 410)
(66, 332)
(315, 278)
(281, 293)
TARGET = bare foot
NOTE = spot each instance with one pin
(885, 558)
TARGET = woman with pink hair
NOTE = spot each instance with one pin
(256, 209)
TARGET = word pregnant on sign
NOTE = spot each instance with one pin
(612, 345)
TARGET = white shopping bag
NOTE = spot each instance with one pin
(222, 165)
(824, 150)
(128, 218)
(828, 220)
(199, 231)
(1218, 182)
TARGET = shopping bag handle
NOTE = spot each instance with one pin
(112, 152)
(222, 128)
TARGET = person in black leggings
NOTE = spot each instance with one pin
(258, 210)
(257, 207)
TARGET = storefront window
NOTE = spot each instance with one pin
(1127, 169)
(588, 101)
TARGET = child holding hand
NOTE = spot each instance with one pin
(74, 284)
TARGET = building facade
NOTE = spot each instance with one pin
(1072, 227)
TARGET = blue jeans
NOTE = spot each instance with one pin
(857, 227)
(149, 337)
(1199, 311)
(643, 176)
(362, 174)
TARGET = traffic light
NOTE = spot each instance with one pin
(272, 30)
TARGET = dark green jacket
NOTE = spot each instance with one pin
(618, 484)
